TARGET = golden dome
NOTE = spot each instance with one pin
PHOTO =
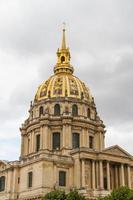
(63, 83)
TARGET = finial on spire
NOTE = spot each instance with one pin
(63, 54)
(63, 46)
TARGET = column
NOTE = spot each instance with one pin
(33, 141)
(41, 137)
(45, 137)
(25, 145)
(116, 176)
(30, 143)
(63, 136)
(68, 138)
(100, 141)
(122, 175)
(77, 174)
(56, 184)
(97, 175)
(83, 172)
(84, 138)
(93, 175)
(129, 176)
(108, 175)
(22, 145)
(14, 182)
(101, 173)
(70, 179)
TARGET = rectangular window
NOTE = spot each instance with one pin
(18, 180)
(2, 183)
(37, 142)
(62, 178)
(91, 141)
(75, 140)
(30, 177)
(56, 141)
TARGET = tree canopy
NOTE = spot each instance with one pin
(61, 195)
(123, 193)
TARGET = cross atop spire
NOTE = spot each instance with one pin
(63, 45)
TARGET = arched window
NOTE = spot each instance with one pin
(74, 110)
(75, 140)
(62, 59)
(41, 111)
(57, 109)
(88, 113)
(2, 183)
(56, 141)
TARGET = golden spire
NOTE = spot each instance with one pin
(63, 54)
(63, 46)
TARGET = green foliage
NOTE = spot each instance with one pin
(123, 193)
(55, 195)
(74, 195)
(60, 195)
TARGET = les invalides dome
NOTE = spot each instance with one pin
(63, 143)
(63, 83)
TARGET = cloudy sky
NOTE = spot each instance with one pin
(100, 37)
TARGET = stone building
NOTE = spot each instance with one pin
(62, 143)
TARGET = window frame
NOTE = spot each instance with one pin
(2, 183)
(63, 59)
(38, 141)
(75, 144)
(30, 179)
(56, 145)
(74, 110)
(57, 109)
(63, 182)
(41, 111)
(89, 113)
(91, 142)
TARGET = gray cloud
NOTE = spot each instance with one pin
(100, 37)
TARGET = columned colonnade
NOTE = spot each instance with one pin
(106, 175)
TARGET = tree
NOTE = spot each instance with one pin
(74, 195)
(123, 193)
(61, 195)
(55, 195)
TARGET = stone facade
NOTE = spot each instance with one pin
(62, 143)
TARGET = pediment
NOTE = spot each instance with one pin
(116, 150)
(3, 165)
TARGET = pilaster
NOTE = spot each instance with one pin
(108, 175)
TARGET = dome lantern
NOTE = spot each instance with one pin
(63, 57)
